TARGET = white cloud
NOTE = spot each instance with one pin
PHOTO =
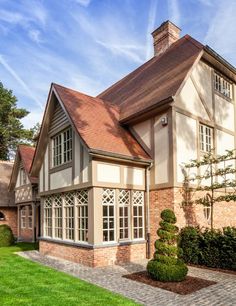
(19, 80)
(221, 33)
(11, 17)
(174, 11)
(150, 28)
(83, 2)
(35, 35)
(34, 117)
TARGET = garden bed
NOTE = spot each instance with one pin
(189, 285)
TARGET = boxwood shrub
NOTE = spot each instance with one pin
(6, 236)
(211, 248)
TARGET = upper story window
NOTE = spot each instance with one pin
(62, 148)
(23, 178)
(206, 138)
(222, 86)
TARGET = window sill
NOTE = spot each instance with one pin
(223, 96)
(60, 167)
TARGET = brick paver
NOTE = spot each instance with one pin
(221, 294)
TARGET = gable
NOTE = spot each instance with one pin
(59, 119)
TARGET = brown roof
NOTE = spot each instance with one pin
(27, 154)
(6, 197)
(155, 81)
(97, 123)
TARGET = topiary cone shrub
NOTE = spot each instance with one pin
(6, 236)
(166, 266)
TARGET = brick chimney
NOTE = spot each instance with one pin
(165, 36)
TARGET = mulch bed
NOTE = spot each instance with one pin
(213, 269)
(189, 285)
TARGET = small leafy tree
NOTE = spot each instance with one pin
(214, 184)
(166, 266)
(12, 131)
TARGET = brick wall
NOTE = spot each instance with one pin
(94, 257)
(26, 234)
(10, 214)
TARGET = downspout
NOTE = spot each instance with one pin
(148, 251)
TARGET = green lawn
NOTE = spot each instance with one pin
(25, 283)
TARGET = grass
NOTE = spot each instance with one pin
(26, 283)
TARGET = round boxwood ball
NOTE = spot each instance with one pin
(6, 236)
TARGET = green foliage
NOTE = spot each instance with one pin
(166, 266)
(168, 216)
(6, 236)
(212, 248)
(167, 272)
(12, 131)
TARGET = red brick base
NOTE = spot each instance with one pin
(10, 214)
(97, 257)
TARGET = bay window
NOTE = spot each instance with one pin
(62, 148)
(82, 214)
(138, 213)
(23, 217)
(69, 216)
(30, 217)
(108, 206)
(48, 217)
(57, 209)
(124, 213)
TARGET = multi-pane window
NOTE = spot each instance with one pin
(222, 86)
(57, 209)
(62, 148)
(69, 215)
(23, 178)
(206, 138)
(82, 214)
(124, 213)
(23, 217)
(67, 145)
(57, 150)
(48, 217)
(138, 222)
(30, 217)
(108, 203)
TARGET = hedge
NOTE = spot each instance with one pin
(6, 236)
(211, 248)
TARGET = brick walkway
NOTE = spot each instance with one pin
(221, 294)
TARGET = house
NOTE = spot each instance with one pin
(108, 165)
(25, 189)
(8, 210)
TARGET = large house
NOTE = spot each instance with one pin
(108, 165)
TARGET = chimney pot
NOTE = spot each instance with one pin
(164, 36)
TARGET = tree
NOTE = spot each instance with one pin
(216, 184)
(166, 266)
(12, 131)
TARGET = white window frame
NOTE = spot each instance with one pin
(109, 200)
(58, 217)
(223, 86)
(69, 216)
(207, 213)
(138, 202)
(62, 147)
(47, 217)
(124, 203)
(81, 215)
(206, 134)
(23, 217)
(30, 217)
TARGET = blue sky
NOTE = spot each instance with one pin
(90, 44)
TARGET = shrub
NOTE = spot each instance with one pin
(165, 266)
(6, 236)
(211, 248)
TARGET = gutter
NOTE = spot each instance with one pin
(148, 252)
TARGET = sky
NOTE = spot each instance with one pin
(88, 45)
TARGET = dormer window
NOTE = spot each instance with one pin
(23, 179)
(62, 147)
(222, 86)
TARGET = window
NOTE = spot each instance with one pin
(207, 213)
(2, 216)
(138, 224)
(82, 214)
(30, 217)
(57, 209)
(124, 213)
(108, 202)
(48, 217)
(62, 148)
(206, 138)
(23, 178)
(23, 217)
(69, 216)
(222, 86)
